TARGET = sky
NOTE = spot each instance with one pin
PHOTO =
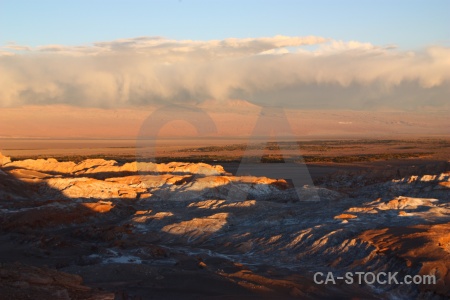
(360, 56)
(409, 24)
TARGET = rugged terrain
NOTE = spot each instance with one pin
(99, 229)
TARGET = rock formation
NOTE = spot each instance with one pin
(151, 214)
(4, 159)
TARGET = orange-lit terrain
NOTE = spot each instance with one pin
(96, 228)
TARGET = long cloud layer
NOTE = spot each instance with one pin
(301, 72)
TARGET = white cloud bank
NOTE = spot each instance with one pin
(277, 70)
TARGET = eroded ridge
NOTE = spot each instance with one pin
(160, 219)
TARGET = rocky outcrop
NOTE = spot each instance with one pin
(105, 179)
(44, 165)
(19, 281)
(116, 214)
(4, 159)
(101, 167)
(425, 247)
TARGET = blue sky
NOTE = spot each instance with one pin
(407, 24)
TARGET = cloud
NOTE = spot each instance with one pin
(155, 70)
(14, 46)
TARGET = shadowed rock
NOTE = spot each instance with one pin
(242, 230)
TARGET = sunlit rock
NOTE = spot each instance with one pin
(4, 159)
